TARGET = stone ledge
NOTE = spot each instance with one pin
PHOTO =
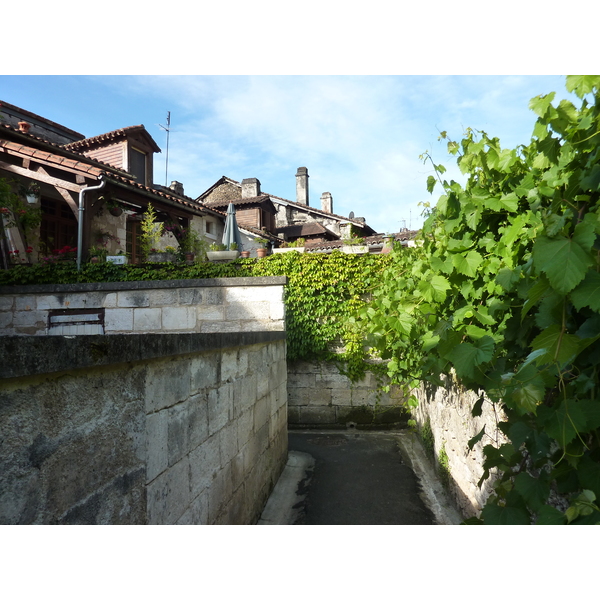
(35, 355)
(142, 285)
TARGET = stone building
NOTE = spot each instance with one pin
(94, 190)
(293, 219)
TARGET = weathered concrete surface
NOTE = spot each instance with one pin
(447, 412)
(231, 304)
(137, 430)
(319, 396)
(359, 478)
(374, 478)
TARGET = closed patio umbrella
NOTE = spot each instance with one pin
(231, 233)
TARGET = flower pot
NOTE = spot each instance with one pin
(355, 249)
(281, 250)
(261, 252)
(189, 257)
(245, 254)
(115, 211)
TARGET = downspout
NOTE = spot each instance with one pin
(80, 223)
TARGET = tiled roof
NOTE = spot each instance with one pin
(371, 241)
(57, 151)
(239, 201)
(68, 158)
(26, 113)
(299, 205)
(113, 135)
(304, 230)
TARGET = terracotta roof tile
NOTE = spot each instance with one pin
(112, 135)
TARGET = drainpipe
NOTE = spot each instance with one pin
(82, 191)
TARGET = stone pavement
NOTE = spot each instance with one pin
(357, 478)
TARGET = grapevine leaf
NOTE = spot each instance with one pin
(589, 475)
(587, 293)
(548, 515)
(563, 423)
(431, 181)
(563, 260)
(534, 490)
(582, 84)
(467, 264)
(539, 105)
(493, 514)
(559, 346)
(476, 439)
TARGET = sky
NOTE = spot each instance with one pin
(360, 136)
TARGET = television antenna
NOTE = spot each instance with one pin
(168, 130)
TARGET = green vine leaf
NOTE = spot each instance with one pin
(563, 260)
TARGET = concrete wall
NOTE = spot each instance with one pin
(200, 305)
(160, 429)
(447, 410)
(320, 396)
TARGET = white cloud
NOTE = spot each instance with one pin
(360, 137)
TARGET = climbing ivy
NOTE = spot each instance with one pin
(323, 293)
(504, 292)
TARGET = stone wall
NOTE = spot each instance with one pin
(320, 396)
(447, 412)
(122, 429)
(200, 305)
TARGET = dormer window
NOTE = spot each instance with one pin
(137, 164)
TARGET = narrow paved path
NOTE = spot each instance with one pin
(358, 478)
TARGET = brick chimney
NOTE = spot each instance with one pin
(24, 126)
(302, 186)
(250, 188)
(326, 202)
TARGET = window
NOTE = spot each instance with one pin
(59, 225)
(133, 247)
(210, 227)
(137, 166)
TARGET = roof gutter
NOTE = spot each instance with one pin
(82, 191)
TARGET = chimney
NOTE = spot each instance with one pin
(302, 186)
(326, 202)
(24, 126)
(250, 188)
(176, 187)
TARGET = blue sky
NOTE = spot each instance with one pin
(359, 136)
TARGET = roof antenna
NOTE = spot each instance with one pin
(167, 129)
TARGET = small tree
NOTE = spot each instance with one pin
(152, 231)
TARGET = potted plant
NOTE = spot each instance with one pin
(261, 251)
(114, 208)
(296, 245)
(219, 252)
(354, 245)
(97, 254)
(192, 245)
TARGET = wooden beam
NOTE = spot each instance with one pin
(43, 177)
(70, 201)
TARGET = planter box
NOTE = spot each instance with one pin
(278, 250)
(217, 255)
(355, 249)
(117, 260)
(159, 257)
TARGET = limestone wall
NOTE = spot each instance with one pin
(201, 305)
(447, 411)
(320, 396)
(121, 429)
